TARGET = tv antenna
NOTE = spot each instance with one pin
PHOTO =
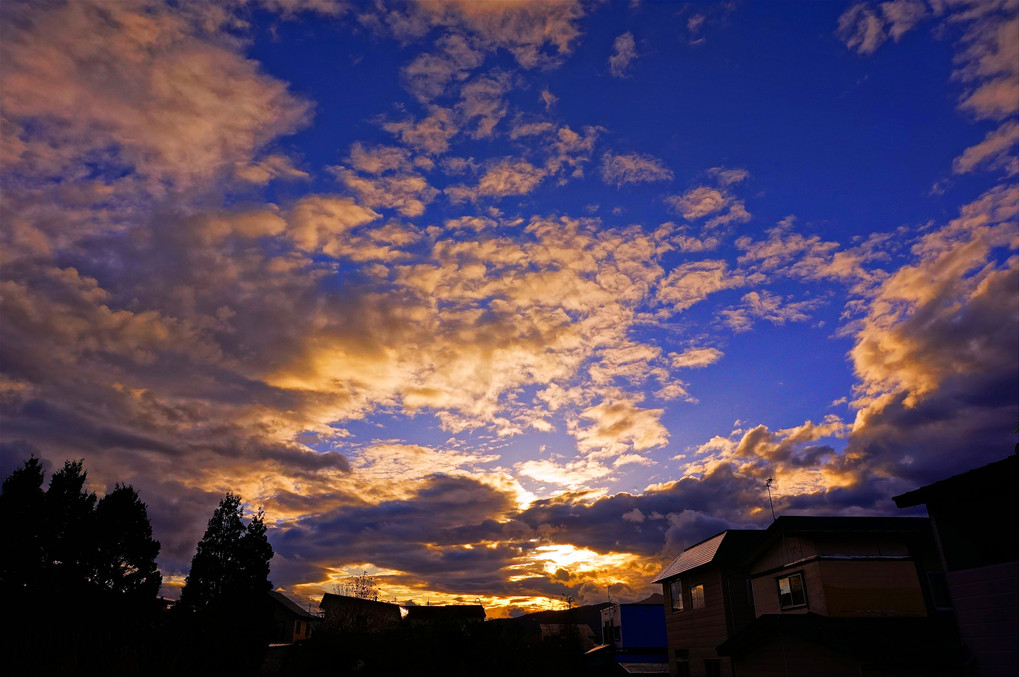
(768, 483)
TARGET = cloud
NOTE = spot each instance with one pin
(997, 150)
(548, 98)
(509, 176)
(632, 168)
(168, 102)
(430, 134)
(861, 28)
(910, 340)
(695, 357)
(988, 60)
(988, 51)
(408, 194)
(481, 103)
(315, 221)
(764, 305)
(690, 283)
(618, 425)
(429, 75)
(715, 201)
(624, 51)
(535, 32)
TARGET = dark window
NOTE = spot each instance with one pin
(683, 668)
(791, 592)
(298, 624)
(713, 667)
(750, 591)
(676, 593)
(615, 633)
(697, 596)
(682, 654)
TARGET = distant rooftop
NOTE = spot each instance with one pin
(292, 605)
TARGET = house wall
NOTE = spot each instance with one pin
(793, 656)
(986, 601)
(765, 584)
(871, 588)
(696, 632)
(841, 587)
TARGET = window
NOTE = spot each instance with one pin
(790, 591)
(697, 596)
(676, 593)
(713, 667)
(683, 662)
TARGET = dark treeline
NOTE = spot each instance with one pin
(79, 582)
(78, 578)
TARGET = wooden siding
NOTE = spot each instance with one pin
(698, 628)
(986, 601)
(871, 588)
(842, 588)
(793, 656)
(766, 599)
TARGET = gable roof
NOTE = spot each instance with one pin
(828, 526)
(291, 606)
(996, 479)
(721, 549)
(446, 612)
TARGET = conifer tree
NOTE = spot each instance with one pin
(126, 552)
(231, 565)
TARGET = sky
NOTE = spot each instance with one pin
(507, 301)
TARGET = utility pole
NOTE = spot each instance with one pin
(767, 483)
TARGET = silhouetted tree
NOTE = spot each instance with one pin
(126, 554)
(22, 504)
(70, 529)
(232, 560)
(361, 586)
(224, 611)
(95, 563)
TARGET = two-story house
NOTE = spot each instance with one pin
(707, 600)
(844, 596)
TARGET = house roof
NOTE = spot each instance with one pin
(344, 601)
(446, 612)
(998, 478)
(719, 549)
(291, 605)
(827, 525)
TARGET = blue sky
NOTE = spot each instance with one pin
(507, 300)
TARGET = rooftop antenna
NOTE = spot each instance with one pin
(767, 483)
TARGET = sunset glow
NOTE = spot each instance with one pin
(507, 302)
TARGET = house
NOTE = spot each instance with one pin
(635, 635)
(843, 596)
(974, 516)
(290, 621)
(449, 614)
(706, 601)
(343, 612)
